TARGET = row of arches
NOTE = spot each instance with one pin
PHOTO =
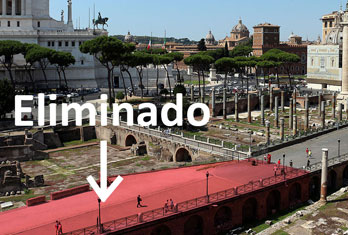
(181, 155)
(223, 218)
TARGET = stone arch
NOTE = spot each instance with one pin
(194, 226)
(345, 176)
(332, 181)
(223, 217)
(182, 155)
(273, 202)
(295, 194)
(130, 140)
(249, 211)
(161, 230)
(314, 188)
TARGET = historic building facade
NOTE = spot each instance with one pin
(267, 37)
(325, 59)
(239, 34)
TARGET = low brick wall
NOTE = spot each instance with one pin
(36, 200)
(69, 192)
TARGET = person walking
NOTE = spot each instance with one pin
(308, 163)
(291, 163)
(279, 162)
(307, 152)
(166, 207)
(171, 204)
(310, 154)
(56, 226)
(269, 158)
(60, 229)
(275, 170)
(139, 201)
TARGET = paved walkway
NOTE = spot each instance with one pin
(297, 153)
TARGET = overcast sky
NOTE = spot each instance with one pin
(194, 18)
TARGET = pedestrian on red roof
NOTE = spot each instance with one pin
(171, 204)
(139, 201)
(279, 162)
(166, 207)
(56, 226)
(60, 228)
(275, 170)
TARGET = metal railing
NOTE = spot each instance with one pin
(193, 143)
(331, 162)
(133, 220)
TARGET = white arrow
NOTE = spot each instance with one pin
(103, 191)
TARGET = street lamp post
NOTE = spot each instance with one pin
(284, 165)
(339, 147)
(207, 174)
(99, 221)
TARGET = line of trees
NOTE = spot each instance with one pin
(240, 60)
(35, 57)
(112, 52)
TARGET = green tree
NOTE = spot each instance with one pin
(225, 64)
(201, 62)
(29, 64)
(104, 49)
(241, 50)
(165, 60)
(201, 45)
(7, 97)
(8, 49)
(177, 57)
(40, 55)
(226, 51)
(179, 89)
(61, 60)
(141, 61)
(274, 55)
(288, 60)
(120, 96)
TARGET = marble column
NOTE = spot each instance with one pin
(13, 7)
(249, 109)
(334, 106)
(276, 112)
(291, 114)
(294, 106)
(4, 7)
(345, 55)
(282, 101)
(271, 100)
(306, 124)
(268, 133)
(22, 7)
(213, 102)
(263, 110)
(192, 93)
(236, 111)
(324, 171)
(323, 114)
(282, 134)
(294, 129)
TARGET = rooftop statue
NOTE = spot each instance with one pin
(100, 21)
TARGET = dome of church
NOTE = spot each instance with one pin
(210, 39)
(240, 27)
(128, 37)
(335, 37)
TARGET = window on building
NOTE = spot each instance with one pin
(325, 24)
(8, 7)
(18, 7)
(66, 43)
(18, 24)
(312, 63)
(1, 7)
(38, 24)
(340, 60)
(322, 63)
(73, 43)
(60, 43)
(48, 43)
(82, 62)
(80, 43)
(8, 23)
(330, 24)
(53, 44)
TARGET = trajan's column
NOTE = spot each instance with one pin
(344, 94)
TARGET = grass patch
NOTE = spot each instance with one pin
(20, 198)
(195, 82)
(280, 232)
